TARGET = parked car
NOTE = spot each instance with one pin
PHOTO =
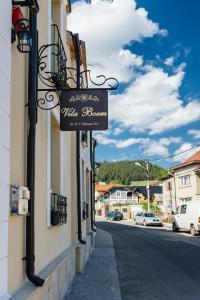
(114, 215)
(145, 219)
(187, 217)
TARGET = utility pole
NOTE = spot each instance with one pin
(148, 185)
(146, 168)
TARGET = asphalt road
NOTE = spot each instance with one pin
(155, 263)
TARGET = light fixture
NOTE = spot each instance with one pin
(21, 30)
(32, 4)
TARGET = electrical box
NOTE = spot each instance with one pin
(19, 197)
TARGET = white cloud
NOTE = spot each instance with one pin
(106, 27)
(152, 103)
(102, 138)
(186, 154)
(160, 147)
(169, 61)
(195, 133)
(148, 146)
(117, 130)
(129, 142)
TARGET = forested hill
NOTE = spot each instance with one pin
(125, 172)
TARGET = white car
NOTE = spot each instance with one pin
(145, 219)
(187, 217)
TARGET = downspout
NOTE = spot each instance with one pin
(91, 183)
(77, 49)
(94, 174)
(32, 115)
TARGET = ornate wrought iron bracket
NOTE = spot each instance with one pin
(61, 77)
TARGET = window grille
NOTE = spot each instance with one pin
(58, 209)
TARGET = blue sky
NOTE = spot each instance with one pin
(152, 47)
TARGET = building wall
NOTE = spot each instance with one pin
(173, 197)
(190, 191)
(5, 82)
(50, 242)
(58, 255)
(168, 194)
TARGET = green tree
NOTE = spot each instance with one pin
(123, 172)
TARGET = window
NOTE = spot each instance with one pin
(184, 180)
(183, 209)
(55, 156)
(169, 203)
(178, 210)
(84, 138)
(129, 195)
(118, 194)
(186, 199)
(106, 195)
(168, 186)
(83, 181)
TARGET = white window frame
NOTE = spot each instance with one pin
(186, 199)
(183, 181)
(120, 194)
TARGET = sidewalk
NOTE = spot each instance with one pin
(99, 281)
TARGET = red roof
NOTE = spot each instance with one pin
(194, 159)
(105, 187)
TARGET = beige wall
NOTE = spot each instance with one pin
(18, 166)
(49, 241)
(177, 192)
(168, 194)
(5, 86)
(192, 189)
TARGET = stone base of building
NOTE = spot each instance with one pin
(58, 274)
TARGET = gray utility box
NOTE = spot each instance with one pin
(19, 197)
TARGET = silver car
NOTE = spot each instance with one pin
(145, 219)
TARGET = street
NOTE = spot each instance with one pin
(155, 263)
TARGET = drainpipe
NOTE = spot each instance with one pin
(32, 115)
(91, 183)
(94, 173)
(77, 49)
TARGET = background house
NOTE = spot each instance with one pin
(183, 183)
(127, 199)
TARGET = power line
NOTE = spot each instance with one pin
(173, 155)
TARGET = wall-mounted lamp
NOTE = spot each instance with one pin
(32, 4)
(21, 30)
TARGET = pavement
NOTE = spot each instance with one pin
(99, 280)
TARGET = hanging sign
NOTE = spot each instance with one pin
(84, 110)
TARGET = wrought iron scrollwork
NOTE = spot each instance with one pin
(61, 77)
(49, 99)
(55, 77)
(110, 83)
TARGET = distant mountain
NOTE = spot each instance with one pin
(125, 172)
